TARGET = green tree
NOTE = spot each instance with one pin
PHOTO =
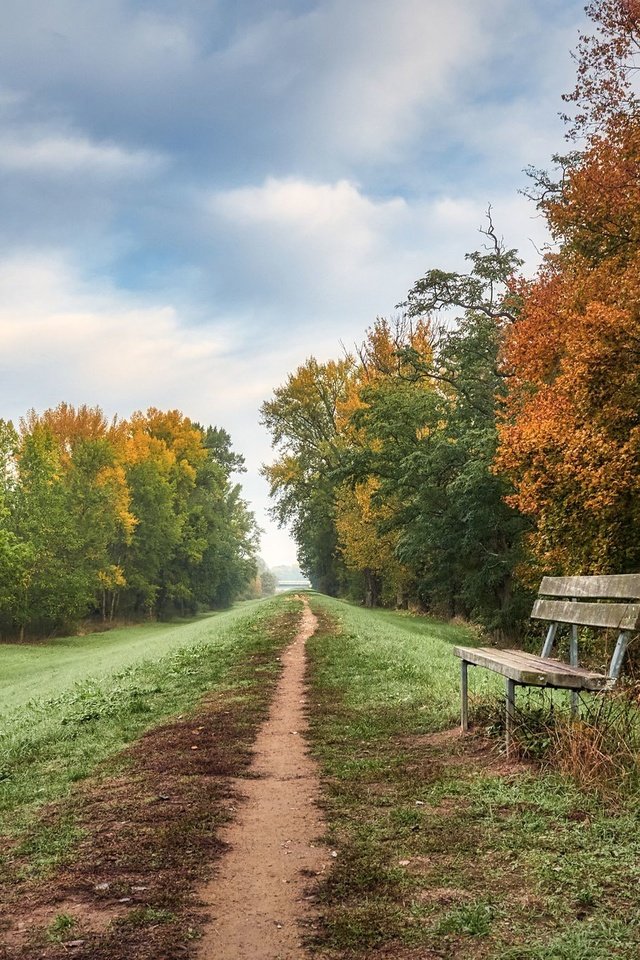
(427, 430)
(56, 586)
(303, 419)
(268, 582)
(461, 535)
(228, 528)
(14, 553)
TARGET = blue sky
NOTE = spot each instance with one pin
(197, 195)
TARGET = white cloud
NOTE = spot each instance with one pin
(62, 338)
(330, 252)
(330, 221)
(329, 83)
(34, 151)
(60, 334)
(358, 81)
(302, 204)
(389, 64)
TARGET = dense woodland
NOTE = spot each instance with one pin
(118, 518)
(491, 431)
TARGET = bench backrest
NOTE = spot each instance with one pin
(579, 606)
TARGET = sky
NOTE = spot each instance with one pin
(196, 196)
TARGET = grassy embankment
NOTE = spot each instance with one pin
(444, 849)
(69, 705)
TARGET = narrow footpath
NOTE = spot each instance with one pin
(260, 903)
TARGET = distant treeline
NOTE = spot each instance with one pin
(118, 518)
(452, 463)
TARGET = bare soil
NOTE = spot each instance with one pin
(261, 903)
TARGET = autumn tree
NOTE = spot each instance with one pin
(89, 450)
(570, 440)
(366, 514)
(195, 539)
(101, 517)
(508, 443)
(429, 418)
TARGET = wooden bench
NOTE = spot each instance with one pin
(575, 602)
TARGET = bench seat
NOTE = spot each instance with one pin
(602, 602)
(530, 670)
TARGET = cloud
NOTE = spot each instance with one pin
(62, 338)
(197, 196)
(322, 221)
(397, 66)
(358, 80)
(147, 106)
(32, 151)
(65, 338)
(332, 252)
(321, 86)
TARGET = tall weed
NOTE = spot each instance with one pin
(599, 747)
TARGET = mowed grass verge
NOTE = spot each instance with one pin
(40, 670)
(120, 685)
(445, 850)
(111, 869)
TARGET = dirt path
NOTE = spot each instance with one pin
(259, 902)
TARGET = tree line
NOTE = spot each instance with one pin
(490, 432)
(112, 518)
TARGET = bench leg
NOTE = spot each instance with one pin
(464, 687)
(573, 660)
(511, 713)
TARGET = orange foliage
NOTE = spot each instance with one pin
(570, 436)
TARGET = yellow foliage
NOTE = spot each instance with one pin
(358, 521)
(112, 577)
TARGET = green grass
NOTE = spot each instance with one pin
(41, 670)
(60, 928)
(441, 850)
(105, 699)
(401, 661)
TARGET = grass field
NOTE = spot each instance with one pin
(41, 670)
(406, 660)
(98, 693)
(445, 850)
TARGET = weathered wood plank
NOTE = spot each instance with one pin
(617, 616)
(624, 586)
(535, 662)
(530, 670)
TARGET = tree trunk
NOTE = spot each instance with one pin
(371, 588)
(368, 588)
